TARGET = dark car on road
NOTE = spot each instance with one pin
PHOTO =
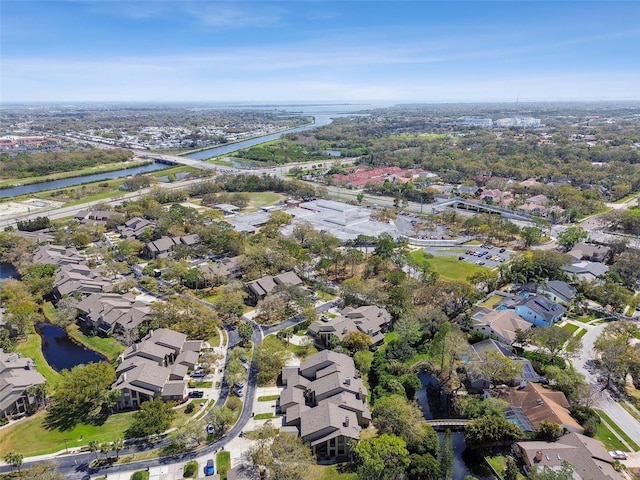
(196, 394)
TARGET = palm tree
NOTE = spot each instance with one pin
(117, 445)
(14, 459)
(105, 448)
(94, 446)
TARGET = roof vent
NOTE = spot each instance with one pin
(346, 421)
(539, 455)
(347, 381)
(539, 401)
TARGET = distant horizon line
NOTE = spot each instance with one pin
(311, 103)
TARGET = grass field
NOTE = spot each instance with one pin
(263, 416)
(621, 433)
(42, 440)
(268, 398)
(223, 464)
(569, 327)
(581, 333)
(107, 346)
(262, 199)
(448, 267)
(31, 347)
(608, 438)
(491, 301)
(332, 472)
(499, 464)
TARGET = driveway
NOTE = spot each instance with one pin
(604, 401)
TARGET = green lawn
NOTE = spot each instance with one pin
(331, 472)
(30, 437)
(569, 327)
(31, 347)
(262, 199)
(581, 333)
(491, 302)
(499, 464)
(223, 462)
(264, 416)
(608, 438)
(621, 433)
(214, 340)
(107, 346)
(391, 336)
(448, 267)
(268, 398)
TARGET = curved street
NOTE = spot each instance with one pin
(603, 400)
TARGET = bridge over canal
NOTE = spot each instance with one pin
(452, 424)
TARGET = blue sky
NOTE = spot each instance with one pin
(318, 50)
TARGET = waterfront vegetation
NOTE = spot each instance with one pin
(106, 168)
(30, 165)
(31, 347)
(107, 346)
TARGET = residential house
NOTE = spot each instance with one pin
(476, 381)
(113, 313)
(585, 270)
(261, 287)
(500, 324)
(164, 246)
(17, 374)
(57, 255)
(540, 311)
(471, 191)
(590, 252)
(71, 279)
(230, 267)
(134, 227)
(157, 366)
(538, 200)
(324, 403)
(558, 291)
(530, 404)
(530, 183)
(371, 320)
(586, 455)
(91, 217)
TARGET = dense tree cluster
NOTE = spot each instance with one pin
(26, 165)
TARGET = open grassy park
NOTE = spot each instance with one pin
(42, 440)
(448, 267)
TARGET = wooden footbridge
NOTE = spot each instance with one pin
(442, 424)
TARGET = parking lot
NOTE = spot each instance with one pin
(485, 255)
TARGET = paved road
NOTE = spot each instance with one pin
(604, 400)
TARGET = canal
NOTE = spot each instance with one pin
(71, 182)
(61, 352)
(320, 121)
(466, 462)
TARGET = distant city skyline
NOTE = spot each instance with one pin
(326, 51)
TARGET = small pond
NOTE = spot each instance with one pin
(61, 352)
(465, 460)
(7, 271)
